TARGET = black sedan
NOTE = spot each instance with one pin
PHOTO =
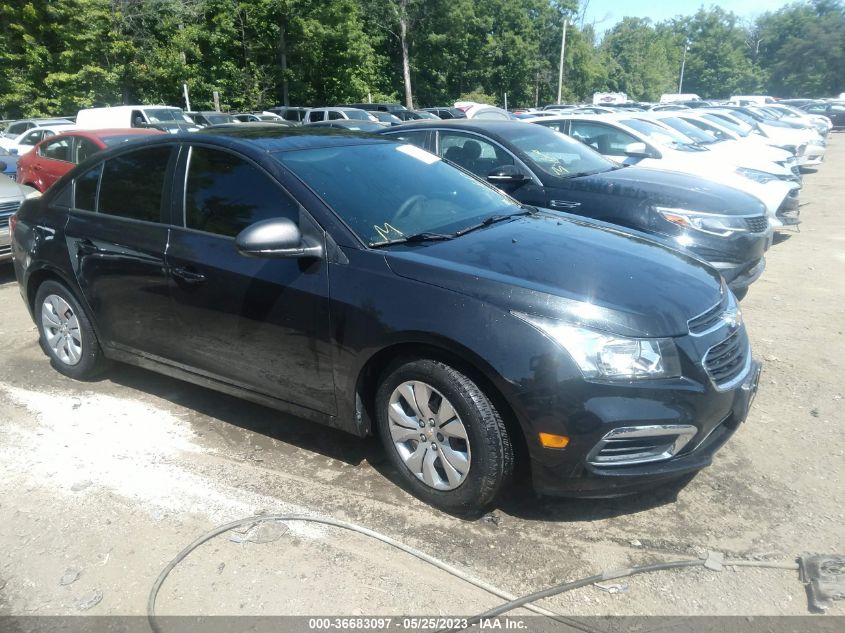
(719, 224)
(366, 284)
(833, 110)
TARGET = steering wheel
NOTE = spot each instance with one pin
(408, 206)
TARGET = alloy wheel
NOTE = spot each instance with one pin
(429, 435)
(61, 329)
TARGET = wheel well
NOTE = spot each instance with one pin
(36, 279)
(369, 379)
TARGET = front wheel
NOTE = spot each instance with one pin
(443, 435)
(66, 335)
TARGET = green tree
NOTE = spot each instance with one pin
(802, 48)
(717, 63)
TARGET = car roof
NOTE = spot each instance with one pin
(107, 132)
(274, 138)
(64, 127)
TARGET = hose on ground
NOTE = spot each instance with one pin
(512, 602)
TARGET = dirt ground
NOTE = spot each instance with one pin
(101, 484)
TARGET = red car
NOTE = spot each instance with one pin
(53, 157)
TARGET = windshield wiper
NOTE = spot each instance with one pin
(416, 238)
(495, 218)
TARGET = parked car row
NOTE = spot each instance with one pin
(557, 295)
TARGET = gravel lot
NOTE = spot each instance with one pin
(101, 484)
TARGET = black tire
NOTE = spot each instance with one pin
(492, 457)
(740, 294)
(91, 361)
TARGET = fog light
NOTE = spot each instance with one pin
(550, 440)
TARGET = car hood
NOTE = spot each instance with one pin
(12, 191)
(669, 188)
(558, 266)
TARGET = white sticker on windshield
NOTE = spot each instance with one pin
(420, 154)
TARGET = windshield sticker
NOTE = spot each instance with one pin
(386, 230)
(418, 153)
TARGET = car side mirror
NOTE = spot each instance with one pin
(506, 175)
(276, 238)
(637, 150)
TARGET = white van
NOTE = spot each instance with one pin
(675, 97)
(744, 100)
(165, 118)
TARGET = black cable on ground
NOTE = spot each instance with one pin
(512, 602)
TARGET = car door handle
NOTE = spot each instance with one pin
(86, 247)
(187, 275)
(564, 204)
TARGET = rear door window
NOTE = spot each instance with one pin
(132, 184)
(315, 116)
(84, 149)
(33, 138)
(85, 187)
(224, 194)
(473, 153)
(58, 149)
(602, 138)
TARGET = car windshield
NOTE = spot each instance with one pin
(711, 128)
(746, 116)
(217, 119)
(742, 130)
(359, 115)
(688, 129)
(165, 115)
(387, 191)
(660, 135)
(557, 154)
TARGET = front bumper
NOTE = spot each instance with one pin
(740, 277)
(610, 481)
(813, 155)
(5, 239)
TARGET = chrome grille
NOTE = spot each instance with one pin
(708, 319)
(727, 360)
(9, 207)
(758, 224)
(631, 445)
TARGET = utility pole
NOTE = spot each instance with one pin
(560, 72)
(683, 63)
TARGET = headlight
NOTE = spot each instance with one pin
(756, 175)
(603, 356)
(710, 223)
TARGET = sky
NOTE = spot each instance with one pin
(606, 13)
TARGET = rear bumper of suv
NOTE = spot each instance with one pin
(592, 478)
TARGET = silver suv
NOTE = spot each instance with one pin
(336, 114)
(11, 196)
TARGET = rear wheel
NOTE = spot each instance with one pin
(443, 435)
(66, 335)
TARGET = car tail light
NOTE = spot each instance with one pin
(13, 222)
